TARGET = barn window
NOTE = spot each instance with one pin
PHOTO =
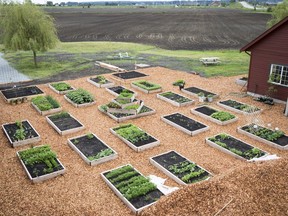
(279, 75)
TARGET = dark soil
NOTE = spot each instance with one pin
(185, 122)
(21, 92)
(196, 90)
(206, 110)
(65, 123)
(129, 75)
(89, 147)
(237, 105)
(144, 142)
(97, 80)
(172, 158)
(282, 141)
(29, 131)
(169, 28)
(143, 110)
(176, 97)
(38, 169)
(119, 89)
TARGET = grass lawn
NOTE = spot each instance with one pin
(77, 56)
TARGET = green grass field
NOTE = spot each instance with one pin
(49, 63)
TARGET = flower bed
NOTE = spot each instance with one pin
(92, 149)
(64, 123)
(100, 82)
(216, 116)
(239, 107)
(175, 99)
(129, 75)
(120, 117)
(194, 91)
(146, 87)
(180, 169)
(61, 87)
(116, 90)
(46, 105)
(273, 138)
(134, 189)
(40, 163)
(184, 123)
(134, 137)
(21, 94)
(235, 147)
(20, 133)
(80, 98)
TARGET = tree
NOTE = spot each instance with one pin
(278, 13)
(27, 27)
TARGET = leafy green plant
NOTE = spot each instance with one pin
(201, 94)
(90, 136)
(116, 172)
(179, 83)
(113, 105)
(222, 116)
(101, 154)
(186, 178)
(146, 85)
(61, 86)
(131, 133)
(132, 107)
(20, 134)
(45, 102)
(80, 96)
(102, 79)
(264, 133)
(60, 115)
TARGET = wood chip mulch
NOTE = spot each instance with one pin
(238, 186)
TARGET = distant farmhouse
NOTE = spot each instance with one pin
(268, 71)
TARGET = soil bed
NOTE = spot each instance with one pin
(175, 99)
(235, 147)
(21, 133)
(194, 91)
(64, 123)
(274, 138)
(61, 87)
(146, 86)
(116, 90)
(40, 163)
(15, 93)
(100, 83)
(126, 181)
(184, 123)
(91, 149)
(129, 75)
(182, 170)
(239, 107)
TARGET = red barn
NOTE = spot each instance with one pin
(268, 71)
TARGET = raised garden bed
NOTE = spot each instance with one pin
(22, 94)
(216, 116)
(235, 147)
(100, 82)
(46, 105)
(80, 98)
(129, 75)
(274, 138)
(179, 168)
(92, 149)
(242, 81)
(64, 123)
(134, 137)
(40, 163)
(20, 133)
(239, 107)
(134, 189)
(146, 86)
(61, 87)
(175, 99)
(116, 90)
(194, 91)
(184, 123)
(120, 117)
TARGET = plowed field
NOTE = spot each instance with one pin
(174, 28)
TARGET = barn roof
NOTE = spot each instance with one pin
(264, 34)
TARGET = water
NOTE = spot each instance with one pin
(8, 74)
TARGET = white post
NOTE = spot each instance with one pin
(286, 110)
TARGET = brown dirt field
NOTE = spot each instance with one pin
(81, 191)
(174, 28)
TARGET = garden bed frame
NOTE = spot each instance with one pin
(46, 112)
(237, 110)
(25, 141)
(170, 174)
(262, 140)
(96, 161)
(116, 94)
(175, 103)
(60, 92)
(99, 85)
(206, 93)
(42, 177)
(132, 146)
(145, 90)
(141, 75)
(79, 105)
(207, 117)
(118, 193)
(191, 133)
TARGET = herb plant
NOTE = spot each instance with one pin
(61, 86)
(146, 85)
(222, 116)
(80, 96)
(131, 133)
(45, 102)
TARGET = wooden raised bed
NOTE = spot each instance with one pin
(116, 90)
(130, 75)
(194, 91)
(99, 82)
(175, 99)
(239, 107)
(21, 94)
(146, 86)
(44, 106)
(65, 88)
